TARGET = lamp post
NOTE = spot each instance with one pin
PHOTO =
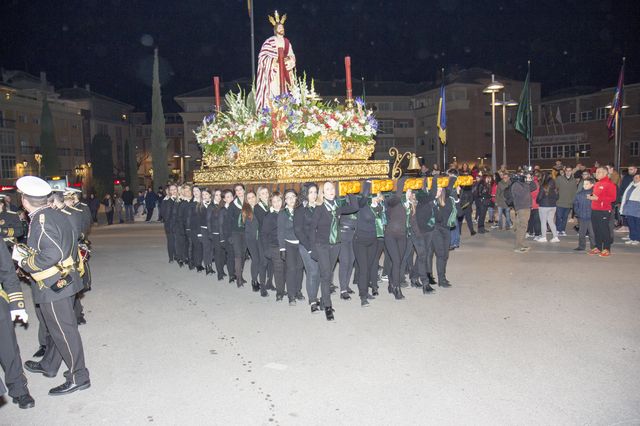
(38, 156)
(493, 88)
(617, 138)
(504, 103)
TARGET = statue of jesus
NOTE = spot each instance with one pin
(268, 80)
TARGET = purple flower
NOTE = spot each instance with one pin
(359, 101)
(210, 118)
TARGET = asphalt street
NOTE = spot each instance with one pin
(550, 337)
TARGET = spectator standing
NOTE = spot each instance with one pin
(140, 203)
(631, 209)
(521, 190)
(547, 200)
(567, 187)
(159, 199)
(127, 199)
(604, 194)
(533, 229)
(503, 208)
(94, 206)
(119, 207)
(150, 201)
(582, 209)
(108, 208)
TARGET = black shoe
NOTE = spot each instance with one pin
(416, 283)
(232, 280)
(350, 291)
(404, 284)
(40, 352)
(370, 297)
(69, 387)
(481, 231)
(170, 260)
(397, 292)
(444, 283)
(329, 313)
(374, 291)
(279, 297)
(333, 288)
(35, 367)
(81, 320)
(576, 228)
(192, 267)
(255, 286)
(390, 289)
(299, 296)
(241, 283)
(364, 303)
(315, 307)
(264, 293)
(578, 249)
(180, 263)
(345, 296)
(199, 268)
(220, 277)
(431, 280)
(292, 302)
(270, 286)
(473, 233)
(24, 401)
(426, 289)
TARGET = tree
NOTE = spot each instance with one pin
(48, 147)
(158, 138)
(102, 154)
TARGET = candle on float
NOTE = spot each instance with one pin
(216, 89)
(347, 67)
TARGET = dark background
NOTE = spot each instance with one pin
(109, 43)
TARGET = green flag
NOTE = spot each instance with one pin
(523, 118)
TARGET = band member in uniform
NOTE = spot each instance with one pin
(324, 239)
(51, 261)
(289, 251)
(251, 232)
(11, 227)
(270, 245)
(302, 225)
(169, 214)
(12, 309)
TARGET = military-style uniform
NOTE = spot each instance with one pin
(10, 225)
(11, 299)
(86, 218)
(52, 264)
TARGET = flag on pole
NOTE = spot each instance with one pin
(442, 116)
(616, 103)
(249, 6)
(523, 117)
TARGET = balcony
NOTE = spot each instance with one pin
(7, 124)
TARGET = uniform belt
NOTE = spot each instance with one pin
(66, 264)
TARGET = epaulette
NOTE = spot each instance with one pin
(82, 204)
(11, 212)
(66, 212)
(74, 208)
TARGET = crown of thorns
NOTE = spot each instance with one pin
(277, 19)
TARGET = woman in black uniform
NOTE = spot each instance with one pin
(269, 243)
(289, 251)
(251, 230)
(259, 212)
(395, 236)
(196, 221)
(301, 225)
(207, 243)
(215, 229)
(444, 213)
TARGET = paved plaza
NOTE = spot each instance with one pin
(551, 337)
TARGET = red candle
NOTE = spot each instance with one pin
(216, 88)
(347, 67)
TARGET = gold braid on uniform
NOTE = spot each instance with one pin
(17, 298)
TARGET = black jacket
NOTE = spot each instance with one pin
(321, 223)
(396, 212)
(302, 225)
(269, 233)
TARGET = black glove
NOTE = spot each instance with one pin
(283, 255)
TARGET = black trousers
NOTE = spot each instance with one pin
(422, 263)
(482, 214)
(219, 255)
(149, 213)
(327, 258)
(600, 221)
(428, 245)
(10, 356)
(466, 215)
(408, 262)
(294, 268)
(207, 248)
(366, 250)
(256, 258)
(395, 245)
(196, 251)
(278, 269)
(171, 244)
(380, 250)
(311, 272)
(182, 246)
(230, 258)
(63, 341)
(346, 258)
(440, 242)
(239, 252)
(109, 217)
(534, 227)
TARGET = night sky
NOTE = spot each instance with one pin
(109, 43)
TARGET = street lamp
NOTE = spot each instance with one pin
(618, 135)
(38, 156)
(493, 88)
(504, 103)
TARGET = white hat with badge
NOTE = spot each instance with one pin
(33, 186)
(71, 190)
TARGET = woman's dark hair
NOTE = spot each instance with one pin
(304, 191)
(225, 192)
(292, 191)
(247, 210)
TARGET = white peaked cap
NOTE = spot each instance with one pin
(33, 186)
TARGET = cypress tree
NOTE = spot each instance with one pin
(158, 138)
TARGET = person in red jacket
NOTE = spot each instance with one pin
(604, 193)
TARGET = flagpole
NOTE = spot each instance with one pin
(530, 115)
(253, 43)
(444, 149)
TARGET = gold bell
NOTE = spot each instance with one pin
(414, 164)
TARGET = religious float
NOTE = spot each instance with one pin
(283, 132)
